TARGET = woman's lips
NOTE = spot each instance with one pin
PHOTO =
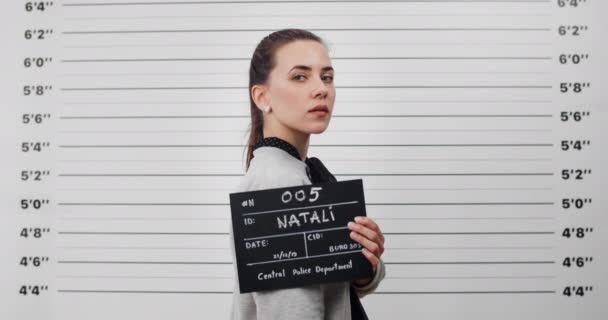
(320, 110)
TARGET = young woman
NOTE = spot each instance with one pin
(292, 95)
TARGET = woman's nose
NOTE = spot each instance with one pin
(320, 89)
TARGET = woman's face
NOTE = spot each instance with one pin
(301, 80)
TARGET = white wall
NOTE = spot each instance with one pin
(469, 91)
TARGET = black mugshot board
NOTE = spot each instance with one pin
(294, 236)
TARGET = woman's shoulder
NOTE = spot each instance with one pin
(273, 168)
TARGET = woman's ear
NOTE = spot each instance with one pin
(259, 95)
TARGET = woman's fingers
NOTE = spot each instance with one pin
(372, 259)
(365, 231)
(370, 245)
(369, 234)
(368, 222)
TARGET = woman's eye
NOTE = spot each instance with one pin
(297, 77)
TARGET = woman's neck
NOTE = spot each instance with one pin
(298, 139)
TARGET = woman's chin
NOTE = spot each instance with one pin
(317, 128)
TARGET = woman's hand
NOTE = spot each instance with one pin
(366, 232)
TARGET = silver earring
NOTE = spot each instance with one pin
(266, 108)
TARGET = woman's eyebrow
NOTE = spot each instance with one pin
(307, 68)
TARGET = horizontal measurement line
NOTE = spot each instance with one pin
(142, 277)
(369, 203)
(312, 29)
(376, 44)
(230, 189)
(114, 74)
(318, 145)
(328, 160)
(138, 218)
(476, 218)
(466, 233)
(215, 102)
(333, 130)
(333, 58)
(138, 204)
(466, 292)
(376, 292)
(471, 262)
(140, 291)
(140, 262)
(226, 248)
(468, 248)
(293, 1)
(139, 248)
(337, 87)
(224, 277)
(333, 116)
(226, 219)
(149, 175)
(456, 203)
(344, 175)
(291, 14)
(476, 277)
(413, 189)
(143, 233)
(226, 233)
(448, 174)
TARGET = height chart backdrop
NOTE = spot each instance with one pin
(476, 126)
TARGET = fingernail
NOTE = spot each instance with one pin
(350, 224)
(358, 219)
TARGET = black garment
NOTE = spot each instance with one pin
(317, 172)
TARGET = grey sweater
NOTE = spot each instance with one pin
(275, 168)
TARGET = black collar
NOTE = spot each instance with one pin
(278, 143)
